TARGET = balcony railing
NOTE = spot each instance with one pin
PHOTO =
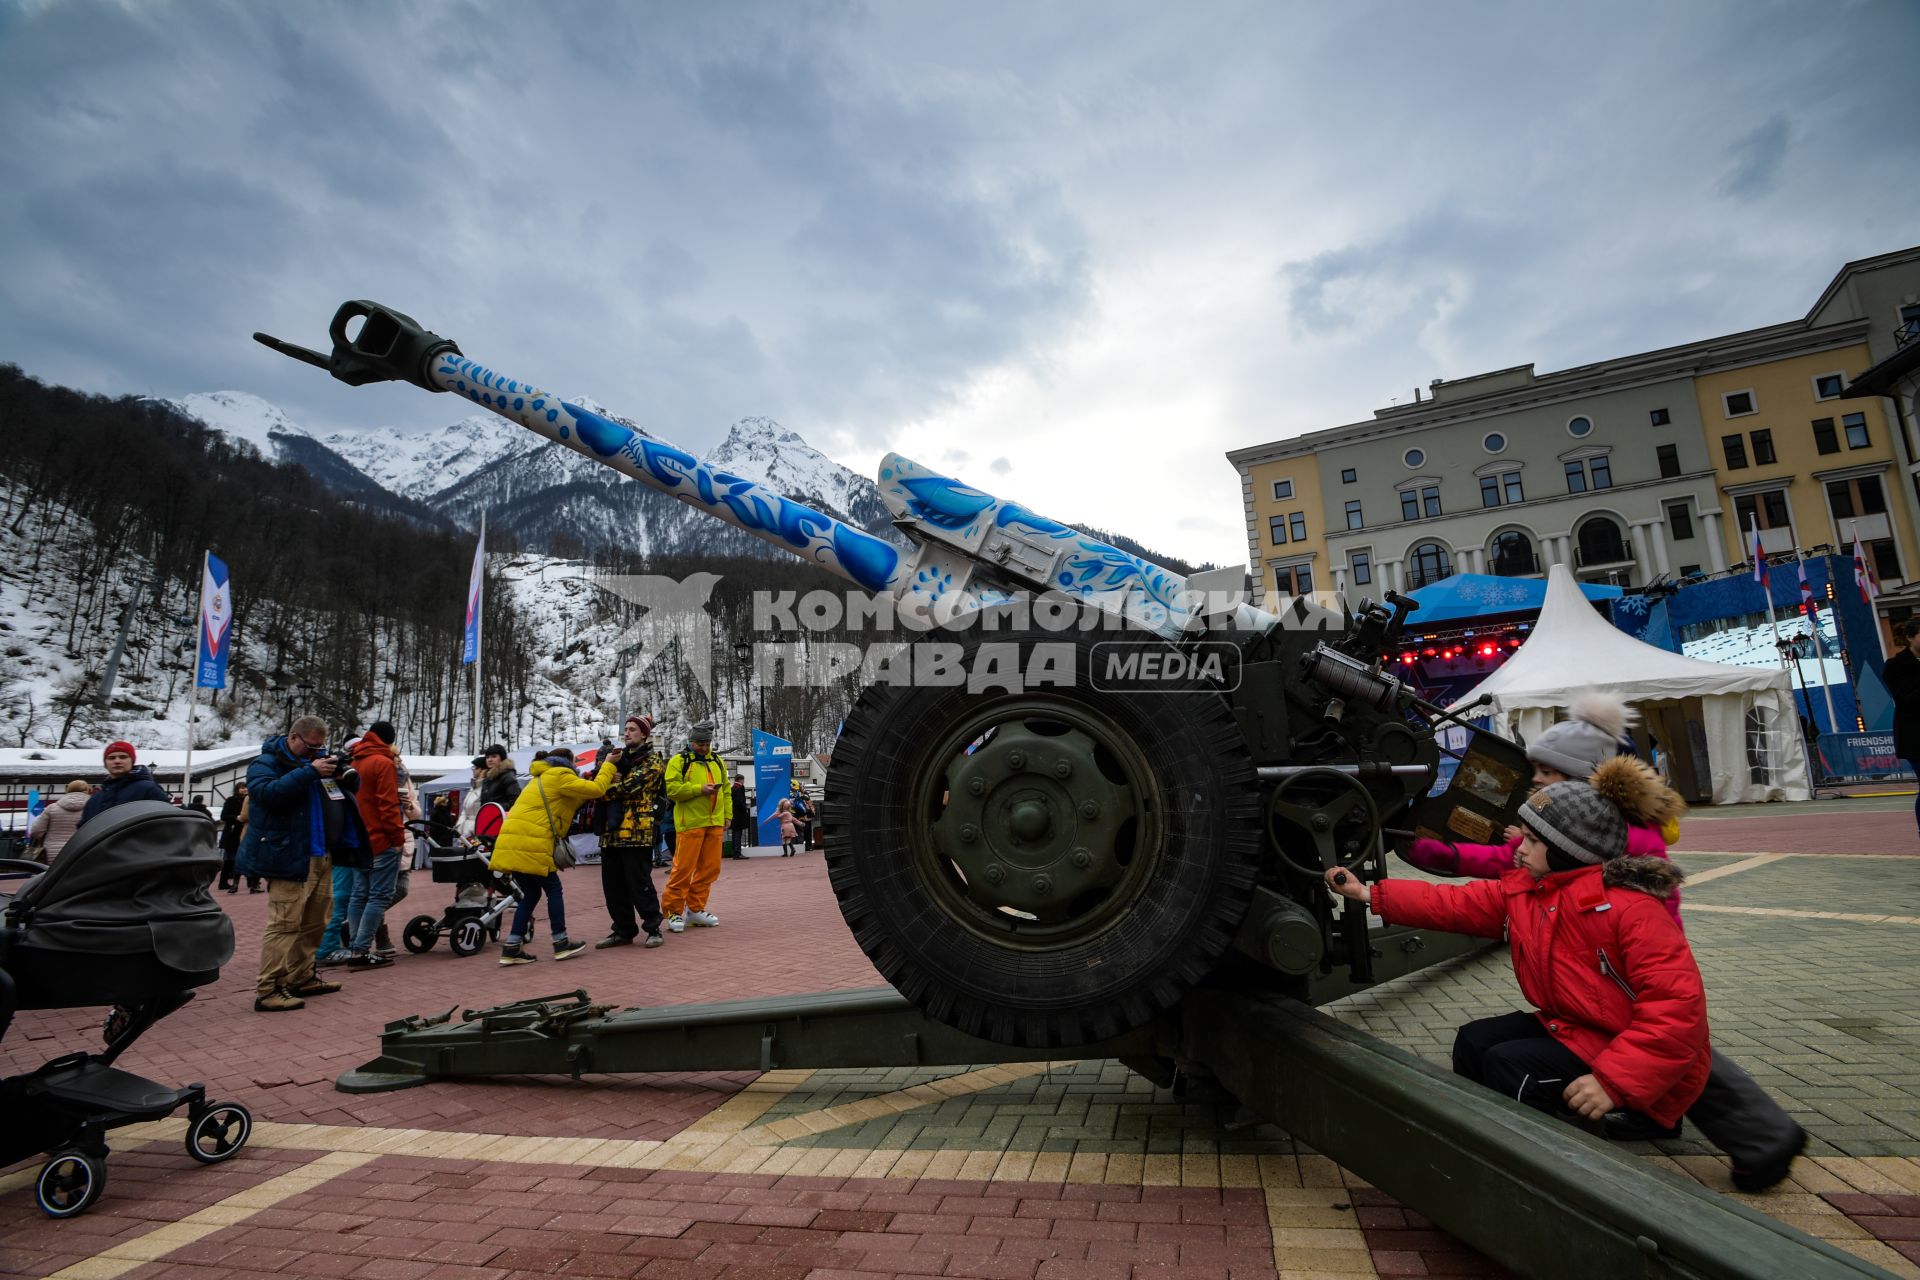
(1601, 557)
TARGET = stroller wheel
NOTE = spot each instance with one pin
(420, 933)
(69, 1183)
(219, 1132)
(467, 937)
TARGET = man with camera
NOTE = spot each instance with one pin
(298, 819)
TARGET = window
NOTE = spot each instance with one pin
(1277, 530)
(1910, 320)
(1362, 566)
(1282, 490)
(1602, 472)
(1430, 496)
(1494, 442)
(1489, 491)
(1759, 748)
(1349, 475)
(1736, 447)
(1679, 521)
(1354, 519)
(1763, 448)
(1297, 526)
(1825, 438)
(1827, 386)
(1505, 485)
(1409, 505)
(1862, 496)
(1414, 457)
(1595, 474)
(1855, 425)
(1689, 570)
(1599, 542)
(1430, 564)
(1579, 428)
(1659, 417)
(1294, 579)
(1669, 457)
(1512, 555)
(1768, 510)
(1511, 483)
(1576, 478)
(1737, 403)
(1886, 560)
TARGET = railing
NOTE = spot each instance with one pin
(1906, 333)
(1608, 560)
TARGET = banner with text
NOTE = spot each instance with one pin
(772, 783)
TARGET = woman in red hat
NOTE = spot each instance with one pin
(126, 782)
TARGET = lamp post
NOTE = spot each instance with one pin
(743, 658)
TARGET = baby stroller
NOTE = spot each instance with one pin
(123, 917)
(481, 898)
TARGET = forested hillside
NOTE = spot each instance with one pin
(342, 607)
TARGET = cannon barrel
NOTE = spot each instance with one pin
(968, 549)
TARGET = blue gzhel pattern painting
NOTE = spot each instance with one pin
(872, 562)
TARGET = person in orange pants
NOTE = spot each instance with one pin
(696, 783)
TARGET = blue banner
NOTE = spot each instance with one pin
(772, 783)
(1860, 757)
(34, 803)
(216, 625)
(475, 581)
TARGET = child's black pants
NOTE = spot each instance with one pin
(1515, 1055)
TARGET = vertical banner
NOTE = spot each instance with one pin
(772, 783)
(475, 581)
(216, 624)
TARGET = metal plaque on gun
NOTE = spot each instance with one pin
(1493, 779)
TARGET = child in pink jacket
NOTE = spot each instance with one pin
(1570, 750)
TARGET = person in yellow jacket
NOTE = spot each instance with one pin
(702, 809)
(524, 848)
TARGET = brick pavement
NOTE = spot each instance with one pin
(1066, 1171)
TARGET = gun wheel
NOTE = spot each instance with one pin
(1046, 867)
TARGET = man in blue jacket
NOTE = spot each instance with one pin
(298, 818)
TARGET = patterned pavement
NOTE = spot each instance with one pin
(1062, 1171)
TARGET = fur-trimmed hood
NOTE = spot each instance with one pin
(1655, 876)
(1644, 800)
(505, 769)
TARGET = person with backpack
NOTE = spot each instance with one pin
(696, 782)
(626, 829)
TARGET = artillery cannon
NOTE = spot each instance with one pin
(1057, 861)
(1123, 859)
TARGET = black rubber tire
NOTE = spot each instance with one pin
(69, 1183)
(224, 1125)
(467, 938)
(1177, 924)
(420, 934)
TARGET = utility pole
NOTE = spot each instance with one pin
(112, 672)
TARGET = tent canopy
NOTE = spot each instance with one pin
(1742, 745)
(1479, 595)
(1574, 650)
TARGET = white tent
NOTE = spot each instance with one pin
(1733, 728)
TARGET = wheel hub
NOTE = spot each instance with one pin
(1033, 824)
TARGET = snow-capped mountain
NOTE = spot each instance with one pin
(550, 497)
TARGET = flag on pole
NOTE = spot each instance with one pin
(1806, 590)
(1863, 573)
(216, 624)
(1759, 560)
(474, 583)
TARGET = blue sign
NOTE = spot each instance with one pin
(1860, 757)
(772, 783)
(216, 625)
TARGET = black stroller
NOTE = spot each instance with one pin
(482, 896)
(124, 918)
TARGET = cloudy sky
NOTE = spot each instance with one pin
(1071, 252)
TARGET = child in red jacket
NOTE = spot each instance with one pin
(1572, 749)
(1622, 1021)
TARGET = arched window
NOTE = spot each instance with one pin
(1601, 542)
(1512, 555)
(1430, 564)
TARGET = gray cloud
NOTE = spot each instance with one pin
(1000, 466)
(1757, 160)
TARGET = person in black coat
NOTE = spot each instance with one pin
(1902, 675)
(126, 782)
